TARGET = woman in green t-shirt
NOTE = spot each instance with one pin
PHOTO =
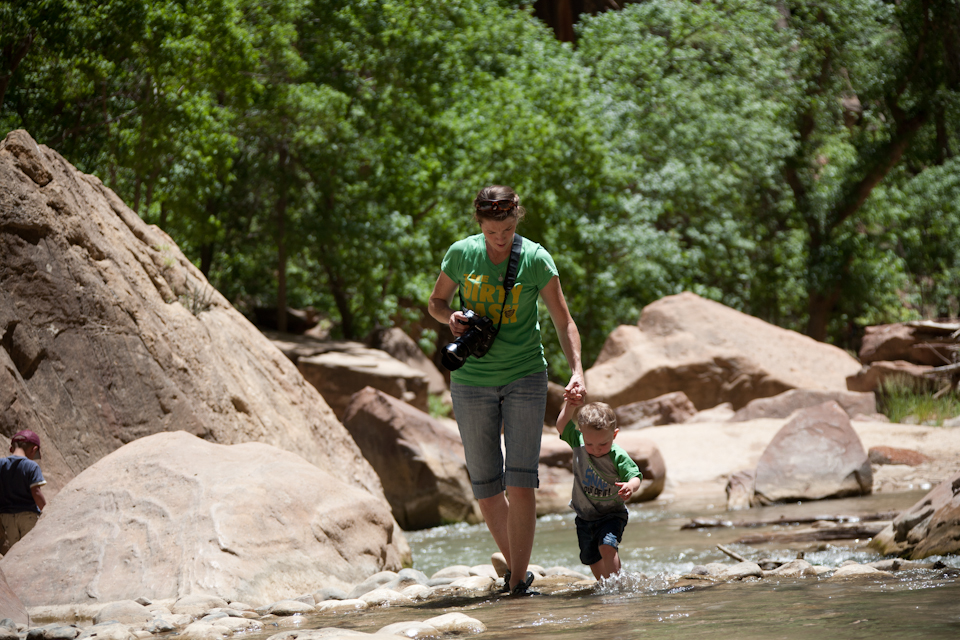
(508, 385)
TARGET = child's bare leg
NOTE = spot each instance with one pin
(609, 563)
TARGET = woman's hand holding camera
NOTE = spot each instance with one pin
(458, 323)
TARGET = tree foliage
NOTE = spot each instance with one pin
(795, 159)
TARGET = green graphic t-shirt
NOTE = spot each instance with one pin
(595, 488)
(517, 351)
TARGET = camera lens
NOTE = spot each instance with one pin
(454, 355)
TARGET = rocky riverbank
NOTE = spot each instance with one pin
(454, 589)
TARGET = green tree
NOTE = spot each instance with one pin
(697, 100)
(143, 94)
(758, 132)
(874, 75)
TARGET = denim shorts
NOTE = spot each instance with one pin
(592, 533)
(480, 411)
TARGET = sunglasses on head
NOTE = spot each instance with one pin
(495, 205)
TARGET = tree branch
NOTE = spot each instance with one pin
(882, 162)
(13, 55)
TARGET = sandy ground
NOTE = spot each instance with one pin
(701, 456)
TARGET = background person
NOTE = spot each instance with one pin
(508, 385)
(21, 499)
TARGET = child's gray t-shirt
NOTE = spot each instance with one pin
(594, 491)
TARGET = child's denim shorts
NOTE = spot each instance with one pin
(592, 533)
(519, 406)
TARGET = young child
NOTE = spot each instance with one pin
(606, 477)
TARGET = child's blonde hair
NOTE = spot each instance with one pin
(598, 416)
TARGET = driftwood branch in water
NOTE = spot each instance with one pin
(839, 532)
(706, 523)
(733, 554)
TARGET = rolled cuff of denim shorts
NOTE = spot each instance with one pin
(488, 489)
(611, 540)
(524, 479)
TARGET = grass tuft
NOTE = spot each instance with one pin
(197, 299)
(909, 400)
(438, 409)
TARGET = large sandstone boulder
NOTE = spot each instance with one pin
(713, 354)
(929, 528)
(784, 404)
(341, 369)
(171, 515)
(10, 605)
(402, 347)
(647, 455)
(670, 408)
(917, 342)
(815, 455)
(420, 462)
(871, 377)
(108, 333)
(554, 403)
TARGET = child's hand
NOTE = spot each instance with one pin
(625, 490)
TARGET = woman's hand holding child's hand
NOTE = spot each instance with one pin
(576, 391)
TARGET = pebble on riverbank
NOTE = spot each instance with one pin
(206, 617)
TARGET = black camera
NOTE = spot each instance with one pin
(475, 341)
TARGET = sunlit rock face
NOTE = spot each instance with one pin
(171, 515)
(816, 455)
(109, 334)
(714, 354)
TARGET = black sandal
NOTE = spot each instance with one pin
(523, 587)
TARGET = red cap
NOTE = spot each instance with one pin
(28, 437)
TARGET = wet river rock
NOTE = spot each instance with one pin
(930, 527)
(816, 455)
(207, 617)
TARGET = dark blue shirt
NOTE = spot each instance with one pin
(17, 476)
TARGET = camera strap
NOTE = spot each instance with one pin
(509, 279)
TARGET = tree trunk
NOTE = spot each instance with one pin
(206, 259)
(820, 309)
(12, 55)
(342, 301)
(281, 213)
(559, 15)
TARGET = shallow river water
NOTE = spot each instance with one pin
(910, 605)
